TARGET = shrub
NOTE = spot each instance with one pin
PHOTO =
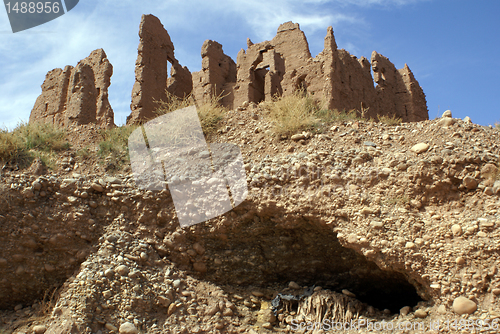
(389, 120)
(43, 137)
(115, 140)
(331, 116)
(10, 146)
(210, 112)
(292, 113)
(28, 140)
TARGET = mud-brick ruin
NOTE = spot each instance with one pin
(77, 95)
(278, 67)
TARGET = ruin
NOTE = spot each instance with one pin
(276, 68)
(77, 95)
(342, 81)
(217, 76)
(151, 78)
(263, 71)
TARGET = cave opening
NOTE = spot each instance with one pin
(261, 253)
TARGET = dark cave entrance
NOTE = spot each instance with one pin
(264, 254)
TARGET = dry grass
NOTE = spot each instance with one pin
(300, 111)
(292, 113)
(113, 148)
(27, 141)
(389, 120)
(210, 113)
(332, 116)
(115, 141)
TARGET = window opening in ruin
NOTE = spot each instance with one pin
(301, 84)
(260, 84)
(169, 68)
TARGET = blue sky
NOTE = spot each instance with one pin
(452, 46)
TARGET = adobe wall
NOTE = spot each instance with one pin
(77, 95)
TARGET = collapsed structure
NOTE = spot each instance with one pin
(280, 67)
(271, 68)
(77, 95)
(151, 80)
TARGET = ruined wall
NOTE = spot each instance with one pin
(337, 78)
(217, 76)
(151, 77)
(273, 68)
(398, 92)
(77, 95)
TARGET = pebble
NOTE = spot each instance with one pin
(348, 293)
(489, 191)
(128, 328)
(441, 309)
(293, 285)
(298, 136)
(405, 310)
(176, 283)
(267, 325)
(200, 267)
(171, 309)
(420, 148)
(97, 187)
(469, 183)
(39, 329)
(72, 199)
(447, 113)
(369, 143)
(122, 270)
(460, 260)
(385, 172)
(257, 294)
(36, 185)
(462, 305)
(496, 291)
(420, 313)
(199, 248)
(456, 230)
(110, 327)
(445, 122)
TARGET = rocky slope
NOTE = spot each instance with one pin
(375, 227)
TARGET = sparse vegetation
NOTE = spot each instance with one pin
(389, 120)
(292, 113)
(300, 111)
(115, 140)
(210, 113)
(83, 152)
(331, 116)
(114, 147)
(28, 141)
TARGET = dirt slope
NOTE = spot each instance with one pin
(380, 231)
